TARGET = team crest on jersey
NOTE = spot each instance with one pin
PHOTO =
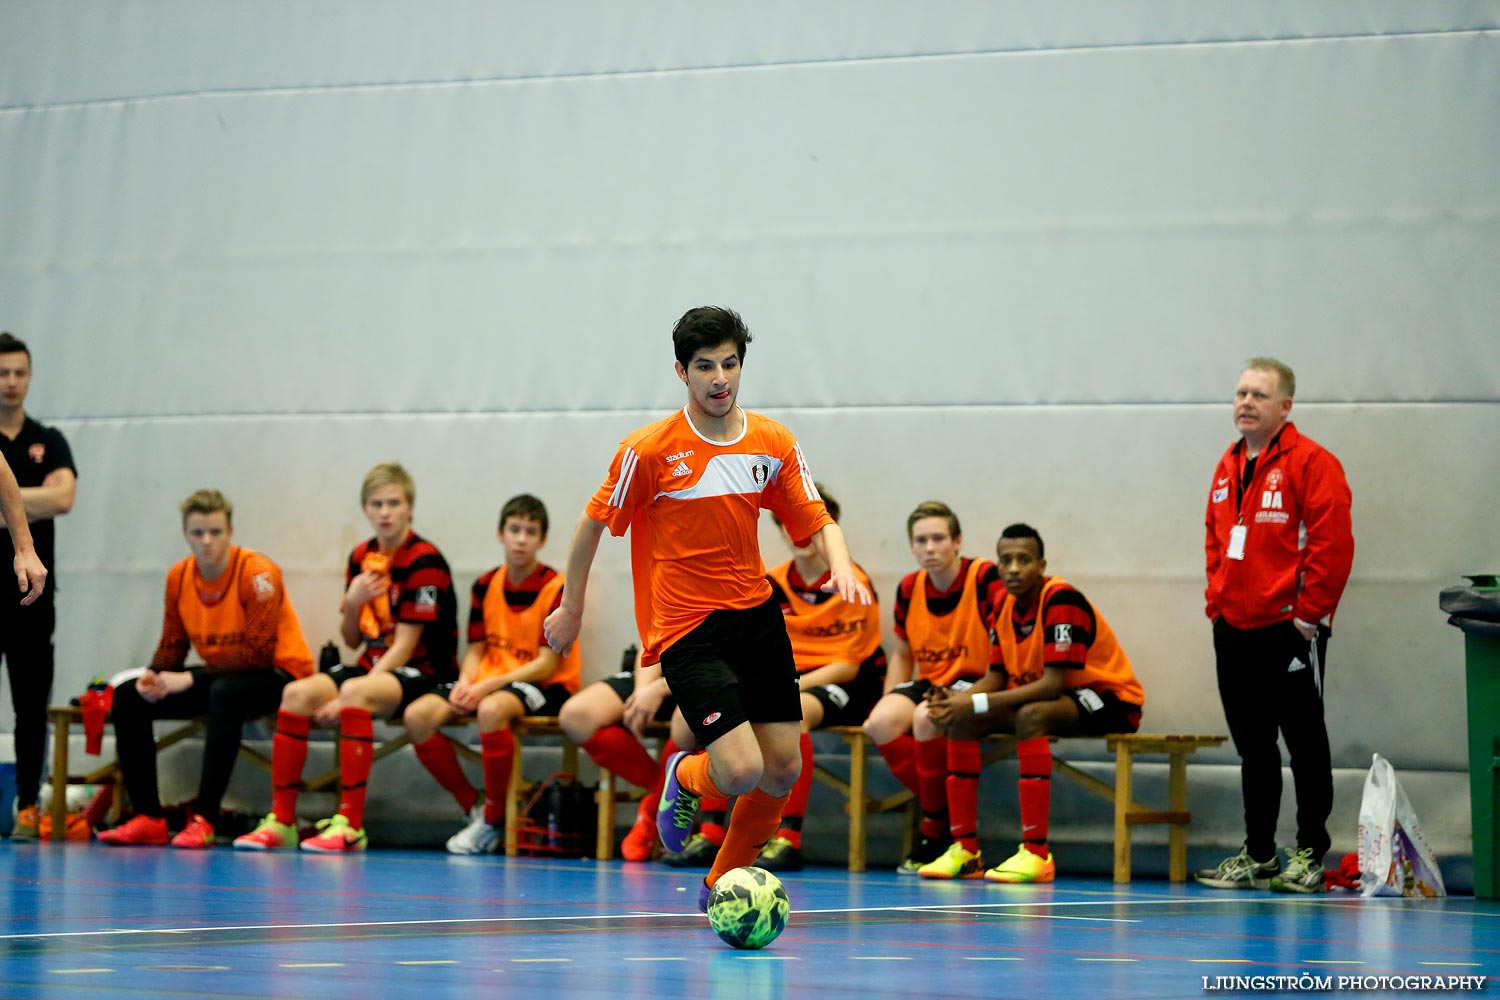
(427, 597)
(37, 452)
(265, 589)
(760, 471)
(1274, 479)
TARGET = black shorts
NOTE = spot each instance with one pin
(414, 683)
(1101, 712)
(735, 667)
(849, 704)
(917, 690)
(538, 699)
(623, 685)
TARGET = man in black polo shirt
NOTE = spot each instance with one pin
(43, 466)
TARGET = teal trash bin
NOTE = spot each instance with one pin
(1476, 610)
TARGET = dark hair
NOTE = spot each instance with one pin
(708, 326)
(527, 506)
(207, 501)
(934, 508)
(828, 501)
(10, 344)
(1025, 531)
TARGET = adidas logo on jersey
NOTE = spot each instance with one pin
(682, 470)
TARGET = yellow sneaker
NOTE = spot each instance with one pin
(1023, 866)
(955, 862)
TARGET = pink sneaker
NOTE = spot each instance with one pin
(138, 831)
(197, 835)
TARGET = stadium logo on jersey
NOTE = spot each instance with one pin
(264, 588)
(760, 471)
(713, 718)
(678, 456)
(682, 470)
(427, 597)
(37, 452)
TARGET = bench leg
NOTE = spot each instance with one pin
(1177, 832)
(1124, 793)
(857, 802)
(604, 841)
(512, 802)
(59, 807)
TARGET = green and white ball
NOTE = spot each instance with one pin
(748, 907)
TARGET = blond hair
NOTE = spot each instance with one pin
(207, 502)
(388, 474)
(1284, 373)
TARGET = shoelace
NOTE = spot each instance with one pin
(684, 811)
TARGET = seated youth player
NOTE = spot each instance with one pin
(942, 640)
(508, 672)
(228, 604)
(840, 671)
(399, 611)
(1068, 677)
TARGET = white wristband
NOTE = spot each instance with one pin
(981, 703)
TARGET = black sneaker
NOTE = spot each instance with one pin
(779, 856)
(698, 852)
(1240, 871)
(926, 851)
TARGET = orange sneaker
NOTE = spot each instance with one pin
(28, 824)
(641, 840)
(198, 834)
(138, 831)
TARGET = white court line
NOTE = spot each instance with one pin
(460, 921)
(969, 912)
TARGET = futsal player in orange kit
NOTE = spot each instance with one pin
(508, 672)
(228, 603)
(700, 478)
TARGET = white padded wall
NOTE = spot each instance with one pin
(1009, 256)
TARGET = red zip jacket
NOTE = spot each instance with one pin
(1299, 544)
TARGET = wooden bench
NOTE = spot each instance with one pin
(1128, 812)
(62, 719)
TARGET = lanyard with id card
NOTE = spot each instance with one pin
(1236, 548)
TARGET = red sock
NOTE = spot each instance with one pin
(1035, 757)
(288, 754)
(647, 810)
(498, 749)
(756, 817)
(963, 793)
(901, 756)
(796, 804)
(616, 749)
(436, 754)
(932, 780)
(356, 744)
(712, 810)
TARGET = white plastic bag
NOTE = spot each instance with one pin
(1394, 859)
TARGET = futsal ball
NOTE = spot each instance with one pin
(748, 907)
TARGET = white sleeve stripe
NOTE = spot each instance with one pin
(627, 473)
(806, 474)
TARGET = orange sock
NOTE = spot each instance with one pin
(693, 774)
(752, 825)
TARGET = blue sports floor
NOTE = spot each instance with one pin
(84, 920)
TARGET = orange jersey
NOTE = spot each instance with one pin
(241, 621)
(825, 628)
(509, 622)
(954, 646)
(702, 501)
(1072, 636)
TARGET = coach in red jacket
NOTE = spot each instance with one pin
(1279, 548)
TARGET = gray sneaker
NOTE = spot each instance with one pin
(1304, 873)
(1239, 872)
(479, 837)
